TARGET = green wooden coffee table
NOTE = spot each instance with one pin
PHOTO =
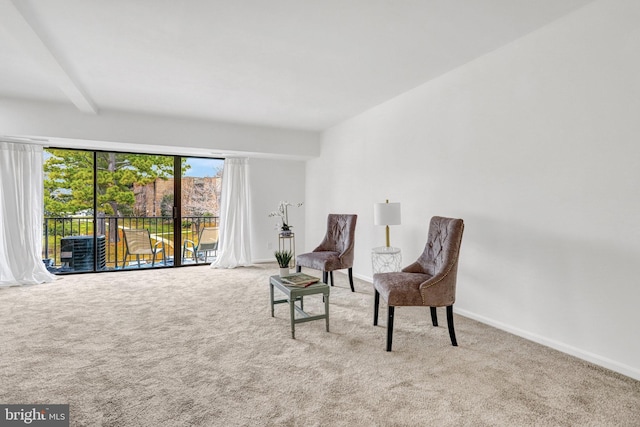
(294, 294)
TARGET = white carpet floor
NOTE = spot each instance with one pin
(198, 347)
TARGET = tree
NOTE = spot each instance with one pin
(69, 180)
(166, 205)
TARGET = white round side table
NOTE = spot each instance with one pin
(386, 259)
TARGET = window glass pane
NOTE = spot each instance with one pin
(68, 211)
(135, 209)
(201, 186)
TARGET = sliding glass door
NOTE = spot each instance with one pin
(108, 211)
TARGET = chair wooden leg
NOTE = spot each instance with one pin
(376, 306)
(331, 275)
(390, 327)
(434, 316)
(452, 332)
(351, 279)
(298, 268)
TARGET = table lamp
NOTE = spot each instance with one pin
(386, 214)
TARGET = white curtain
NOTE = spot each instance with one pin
(21, 215)
(235, 235)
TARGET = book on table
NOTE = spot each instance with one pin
(299, 280)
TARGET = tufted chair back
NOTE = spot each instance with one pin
(443, 245)
(340, 237)
(335, 252)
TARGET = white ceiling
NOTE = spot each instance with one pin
(304, 64)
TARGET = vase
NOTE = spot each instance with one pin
(284, 271)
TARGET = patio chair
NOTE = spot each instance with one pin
(207, 242)
(138, 242)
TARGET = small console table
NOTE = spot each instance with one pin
(293, 294)
(386, 259)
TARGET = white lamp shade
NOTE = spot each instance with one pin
(386, 214)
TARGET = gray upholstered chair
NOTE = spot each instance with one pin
(336, 250)
(430, 281)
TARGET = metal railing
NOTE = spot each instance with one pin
(60, 249)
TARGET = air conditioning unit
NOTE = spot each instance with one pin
(76, 253)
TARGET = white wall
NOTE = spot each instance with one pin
(273, 181)
(536, 147)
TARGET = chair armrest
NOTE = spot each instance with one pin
(438, 279)
(440, 290)
(159, 243)
(413, 268)
(320, 248)
(187, 241)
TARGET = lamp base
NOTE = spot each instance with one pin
(387, 235)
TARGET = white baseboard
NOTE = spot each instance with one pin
(264, 261)
(596, 359)
(365, 278)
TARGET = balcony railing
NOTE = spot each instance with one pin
(68, 243)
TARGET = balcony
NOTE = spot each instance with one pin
(68, 244)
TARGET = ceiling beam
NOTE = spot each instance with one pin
(25, 34)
